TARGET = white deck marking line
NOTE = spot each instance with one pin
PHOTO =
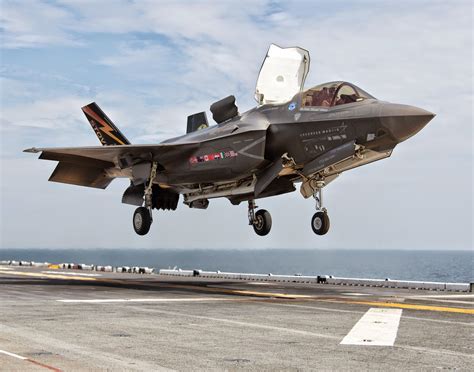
(434, 351)
(12, 355)
(239, 323)
(30, 361)
(290, 330)
(444, 296)
(377, 327)
(66, 273)
(115, 300)
(442, 300)
(48, 340)
(361, 312)
(356, 294)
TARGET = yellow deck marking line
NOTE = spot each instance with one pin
(258, 294)
(296, 296)
(241, 292)
(204, 289)
(53, 276)
(459, 310)
(119, 300)
(70, 274)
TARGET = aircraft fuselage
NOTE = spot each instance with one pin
(245, 145)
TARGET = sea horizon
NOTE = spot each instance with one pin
(429, 265)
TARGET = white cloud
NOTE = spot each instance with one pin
(176, 58)
(34, 24)
(49, 113)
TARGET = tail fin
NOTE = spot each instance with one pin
(196, 122)
(104, 128)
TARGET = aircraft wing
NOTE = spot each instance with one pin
(86, 166)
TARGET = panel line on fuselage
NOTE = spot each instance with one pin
(243, 151)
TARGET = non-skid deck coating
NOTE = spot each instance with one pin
(71, 321)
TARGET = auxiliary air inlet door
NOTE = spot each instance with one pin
(282, 74)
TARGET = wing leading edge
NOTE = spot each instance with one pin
(90, 166)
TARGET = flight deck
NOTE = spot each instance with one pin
(61, 319)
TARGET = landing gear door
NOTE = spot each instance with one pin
(282, 75)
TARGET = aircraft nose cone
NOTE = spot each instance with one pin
(404, 121)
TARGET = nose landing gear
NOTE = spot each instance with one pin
(260, 220)
(320, 221)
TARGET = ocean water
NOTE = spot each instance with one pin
(445, 266)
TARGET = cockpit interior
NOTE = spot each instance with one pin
(333, 94)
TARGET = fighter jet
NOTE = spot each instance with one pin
(293, 136)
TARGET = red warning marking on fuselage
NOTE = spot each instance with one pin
(213, 156)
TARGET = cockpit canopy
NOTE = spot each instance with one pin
(333, 94)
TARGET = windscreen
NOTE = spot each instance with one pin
(333, 94)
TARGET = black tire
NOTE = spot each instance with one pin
(320, 223)
(263, 222)
(141, 220)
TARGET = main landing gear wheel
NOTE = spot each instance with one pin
(262, 224)
(320, 223)
(142, 220)
(260, 220)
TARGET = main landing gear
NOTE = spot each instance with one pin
(260, 220)
(320, 221)
(142, 217)
(142, 220)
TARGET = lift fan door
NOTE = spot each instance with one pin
(282, 75)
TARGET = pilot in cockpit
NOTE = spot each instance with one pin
(323, 97)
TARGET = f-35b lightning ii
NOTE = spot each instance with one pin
(292, 136)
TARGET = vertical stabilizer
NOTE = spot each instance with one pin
(196, 122)
(105, 130)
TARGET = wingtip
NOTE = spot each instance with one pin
(32, 150)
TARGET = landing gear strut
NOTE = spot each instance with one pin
(260, 220)
(320, 221)
(142, 218)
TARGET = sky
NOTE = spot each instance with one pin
(150, 64)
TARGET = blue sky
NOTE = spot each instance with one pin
(149, 64)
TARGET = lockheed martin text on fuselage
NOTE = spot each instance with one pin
(293, 136)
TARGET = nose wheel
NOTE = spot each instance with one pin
(261, 220)
(320, 222)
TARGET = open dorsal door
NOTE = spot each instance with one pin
(282, 74)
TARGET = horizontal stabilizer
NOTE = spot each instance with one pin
(197, 122)
(80, 175)
(108, 156)
(76, 159)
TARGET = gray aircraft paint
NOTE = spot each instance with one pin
(262, 152)
(260, 137)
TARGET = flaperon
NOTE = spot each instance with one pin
(293, 136)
